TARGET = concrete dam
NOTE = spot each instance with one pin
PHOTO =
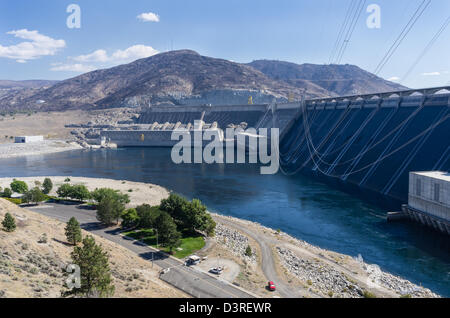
(370, 142)
(367, 142)
(155, 125)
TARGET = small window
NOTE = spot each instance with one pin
(419, 188)
(437, 190)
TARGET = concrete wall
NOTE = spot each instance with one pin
(422, 195)
(145, 138)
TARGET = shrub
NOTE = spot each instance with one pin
(35, 195)
(7, 193)
(9, 223)
(248, 251)
(43, 239)
(19, 186)
(47, 185)
(67, 180)
(367, 294)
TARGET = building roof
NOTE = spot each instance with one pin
(435, 175)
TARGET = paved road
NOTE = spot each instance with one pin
(190, 280)
(268, 263)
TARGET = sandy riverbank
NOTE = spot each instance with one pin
(11, 150)
(300, 269)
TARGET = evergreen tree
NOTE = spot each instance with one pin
(73, 231)
(47, 185)
(9, 223)
(95, 273)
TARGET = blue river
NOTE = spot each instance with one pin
(297, 205)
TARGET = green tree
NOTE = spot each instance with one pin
(19, 186)
(130, 218)
(147, 215)
(64, 191)
(35, 195)
(99, 194)
(167, 231)
(73, 231)
(109, 209)
(7, 193)
(9, 223)
(47, 185)
(175, 205)
(79, 192)
(95, 272)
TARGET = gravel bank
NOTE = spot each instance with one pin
(37, 148)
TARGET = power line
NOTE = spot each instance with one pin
(415, 17)
(342, 30)
(351, 29)
(428, 47)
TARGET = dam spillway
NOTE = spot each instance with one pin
(370, 142)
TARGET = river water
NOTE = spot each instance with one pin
(299, 206)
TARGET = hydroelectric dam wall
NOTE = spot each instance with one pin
(370, 142)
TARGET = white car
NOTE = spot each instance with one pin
(216, 270)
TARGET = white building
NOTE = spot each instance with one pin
(28, 139)
(429, 199)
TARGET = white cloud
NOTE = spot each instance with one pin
(120, 56)
(394, 79)
(148, 17)
(79, 68)
(96, 56)
(431, 74)
(100, 59)
(36, 46)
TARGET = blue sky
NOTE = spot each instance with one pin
(300, 31)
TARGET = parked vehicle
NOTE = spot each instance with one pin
(216, 270)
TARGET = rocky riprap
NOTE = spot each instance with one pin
(234, 241)
(327, 281)
(399, 285)
(321, 278)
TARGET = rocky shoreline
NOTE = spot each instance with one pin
(321, 278)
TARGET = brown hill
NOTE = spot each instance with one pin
(185, 77)
(338, 80)
(31, 268)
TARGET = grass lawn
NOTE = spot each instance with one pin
(189, 244)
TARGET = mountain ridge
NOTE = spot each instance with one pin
(185, 77)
